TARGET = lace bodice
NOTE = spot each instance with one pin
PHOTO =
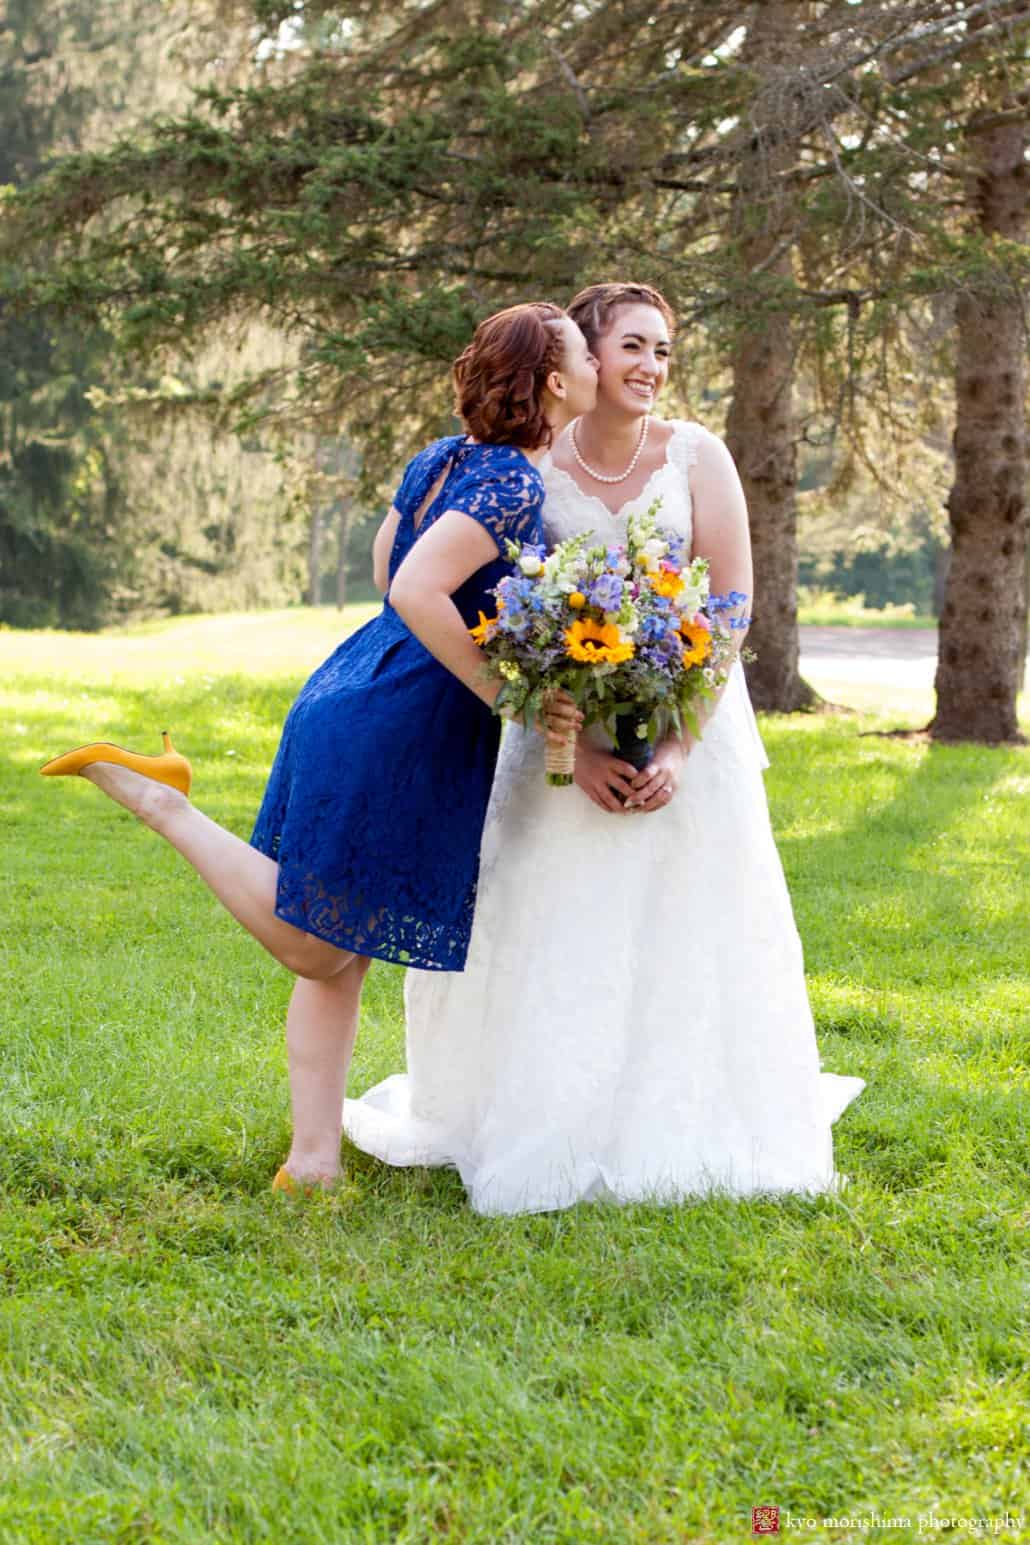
(568, 510)
(494, 484)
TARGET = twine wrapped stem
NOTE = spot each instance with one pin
(560, 759)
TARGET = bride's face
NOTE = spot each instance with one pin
(634, 359)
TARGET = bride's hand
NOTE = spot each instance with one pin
(604, 778)
(656, 785)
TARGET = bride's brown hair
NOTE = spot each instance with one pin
(593, 308)
(499, 379)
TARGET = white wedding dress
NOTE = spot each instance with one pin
(632, 1023)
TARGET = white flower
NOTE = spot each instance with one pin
(531, 566)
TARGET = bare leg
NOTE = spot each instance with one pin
(243, 879)
(320, 1029)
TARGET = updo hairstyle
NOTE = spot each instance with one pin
(592, 309)
(499, 379)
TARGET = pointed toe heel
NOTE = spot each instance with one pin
(169, 767)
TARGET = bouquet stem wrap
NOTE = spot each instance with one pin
(560, 761)
(635, 749)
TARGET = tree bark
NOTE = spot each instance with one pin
(315, 559)
(343, 551)
(760, 429)
(982, 623)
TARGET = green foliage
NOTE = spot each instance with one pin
(370, 181)
(187, 1357)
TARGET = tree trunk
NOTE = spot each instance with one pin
(315, 559)
(982, 621)
(760, 425)
(343, 551)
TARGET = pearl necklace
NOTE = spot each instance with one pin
(602, 477)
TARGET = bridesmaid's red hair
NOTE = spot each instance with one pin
(499, 379)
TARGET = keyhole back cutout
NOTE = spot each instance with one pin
(427, 502)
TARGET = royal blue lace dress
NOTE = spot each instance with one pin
(376, 801)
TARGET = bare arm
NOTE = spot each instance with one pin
(382, 547)
(720, 521)
(442, 559)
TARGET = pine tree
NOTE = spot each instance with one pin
(389, 176)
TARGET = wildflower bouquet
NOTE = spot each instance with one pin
(629, 631)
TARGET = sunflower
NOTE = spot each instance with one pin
(697, 643)
(667, 583)
(481, 632)
(597, 643)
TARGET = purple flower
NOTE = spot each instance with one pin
(515, 592)
(606, 592)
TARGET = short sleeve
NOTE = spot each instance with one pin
(504, 495)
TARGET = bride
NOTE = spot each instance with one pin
(632, 1023)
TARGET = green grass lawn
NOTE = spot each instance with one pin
(186, 1358)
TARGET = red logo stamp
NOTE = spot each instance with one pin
(765, 1520)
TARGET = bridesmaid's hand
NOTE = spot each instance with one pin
(560, 718)
(655, 786)
(603, 777)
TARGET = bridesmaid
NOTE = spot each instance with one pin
(367, 841)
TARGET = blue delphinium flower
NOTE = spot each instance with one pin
(677, 554)
(513, 620)
(515, 592)
(606, 592)
(652, 629)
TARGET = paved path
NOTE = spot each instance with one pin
(900, 657)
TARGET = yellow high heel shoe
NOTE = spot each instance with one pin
(289, 1185)
(169, 767)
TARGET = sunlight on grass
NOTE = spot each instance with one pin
(289, 642)
(186, 1358)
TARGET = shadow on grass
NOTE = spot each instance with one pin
(877, 889)
(921, 1134)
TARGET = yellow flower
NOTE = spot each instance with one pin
(668, 584)
(577, 599)
(597, 643)
(480, 633)
(699, 640)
